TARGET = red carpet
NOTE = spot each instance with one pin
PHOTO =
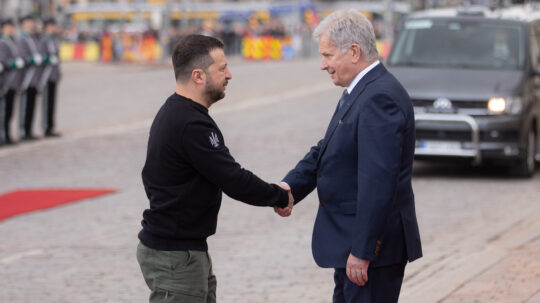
(23, 201)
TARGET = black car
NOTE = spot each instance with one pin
(474, 79)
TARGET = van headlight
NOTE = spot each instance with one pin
(497, 105)
(509, 105)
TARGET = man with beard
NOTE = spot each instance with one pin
(187, 168)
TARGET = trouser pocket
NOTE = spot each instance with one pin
(176, 274)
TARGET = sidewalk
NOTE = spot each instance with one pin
(504, 270)
(514, 278)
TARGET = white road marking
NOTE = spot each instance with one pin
(24, 254)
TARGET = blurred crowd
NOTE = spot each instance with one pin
(141, 42)
(29, 72)
(230, 32)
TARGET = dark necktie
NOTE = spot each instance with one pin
(343, 98)
(340, 103)
(333, 121)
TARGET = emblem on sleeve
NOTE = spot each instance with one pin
(214, 140)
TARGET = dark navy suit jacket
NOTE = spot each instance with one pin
(362, 171)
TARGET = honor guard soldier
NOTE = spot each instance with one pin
(50, 75)
(29, 87)
(2, 100)
(12, 65)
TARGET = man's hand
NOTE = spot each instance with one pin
(285, 212)
(357, 270)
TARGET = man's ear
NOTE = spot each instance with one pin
(355, 52)
(198, 76)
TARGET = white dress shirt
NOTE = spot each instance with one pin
(361, 75)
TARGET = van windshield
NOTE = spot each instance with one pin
(471, 43)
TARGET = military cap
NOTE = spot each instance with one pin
(49, 21)
(6, 21)
(27, 17)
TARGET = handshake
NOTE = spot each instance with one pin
(286, 211)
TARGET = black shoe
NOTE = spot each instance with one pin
(9, 142)
(52, 134)
(29, 138)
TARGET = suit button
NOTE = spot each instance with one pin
(318, 174)
(378, 247)
(321, 203)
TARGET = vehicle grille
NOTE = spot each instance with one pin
(459, 104)
(463, 136)
(443, 135)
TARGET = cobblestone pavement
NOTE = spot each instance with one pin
(480, 229)
(514, 278)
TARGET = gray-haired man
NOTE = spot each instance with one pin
(366, 225)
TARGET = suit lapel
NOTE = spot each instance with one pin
(351, 99)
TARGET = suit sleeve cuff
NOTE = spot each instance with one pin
(365, 254)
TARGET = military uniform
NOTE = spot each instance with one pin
(10, 82)
(50, 76)
(2, 106)
(28, 48)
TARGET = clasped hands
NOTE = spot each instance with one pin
(285, 212)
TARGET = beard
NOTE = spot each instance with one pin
(214, 92)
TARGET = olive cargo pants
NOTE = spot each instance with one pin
(177, 276)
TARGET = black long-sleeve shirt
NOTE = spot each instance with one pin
(187, 168)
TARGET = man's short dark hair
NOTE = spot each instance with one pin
(191, 53)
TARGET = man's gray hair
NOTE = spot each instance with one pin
(345, 27)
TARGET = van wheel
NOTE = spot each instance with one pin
(526, 165)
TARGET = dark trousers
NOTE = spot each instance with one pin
(26, 109)
(7, 114)
(49, 103)
(383, 286)
(2, 118)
